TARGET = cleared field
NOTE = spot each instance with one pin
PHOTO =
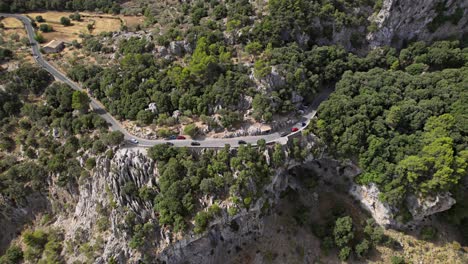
(101, 23)
(11, 22)
(133, 21)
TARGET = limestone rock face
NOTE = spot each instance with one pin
(420, 207)
(368, 196)
(384, 214)
(104, 189)
(400, 21)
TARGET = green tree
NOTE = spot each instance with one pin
(344, 253)
(39, 38)
(253, 48)
(191, 130)
(343, 231)
(65, 21)
(362, 248)
(13, 255)
(46, 28)
(278, 155)
(80, 101)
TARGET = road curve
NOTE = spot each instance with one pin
(116, 126)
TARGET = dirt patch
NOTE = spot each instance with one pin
(11, 22)
(101, 23)
(133, 21)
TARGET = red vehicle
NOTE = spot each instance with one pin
(180, 137)
(294, 129)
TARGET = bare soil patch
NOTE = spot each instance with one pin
(101, 23)
(11, 22)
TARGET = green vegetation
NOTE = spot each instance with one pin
(408, 131)
(442, 17)
(46, 28)
(13, 255)
(65, 21)
(33, 122)
(185, 177)
(43, 246)
(21, 6)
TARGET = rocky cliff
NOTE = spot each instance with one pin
(401, 21)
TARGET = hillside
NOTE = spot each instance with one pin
(375, 172)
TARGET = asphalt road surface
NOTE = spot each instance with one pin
(204, 143)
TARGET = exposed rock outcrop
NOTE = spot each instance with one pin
(103, 196)
(386, 215)
(400, 21)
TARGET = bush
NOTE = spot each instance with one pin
(428, 233)
(13, 255)
(191, 130)
(39, 38)
(6, 143)
(362, 248)
(344, 253)
(35, 239)
(46, 28)
(40, 19)
(75, 16)
(90, 163)
(65, 21)
(397, 260)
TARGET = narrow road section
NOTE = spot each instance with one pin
(99, 109)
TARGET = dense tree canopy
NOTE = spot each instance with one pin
(407, 130)
(110, 6)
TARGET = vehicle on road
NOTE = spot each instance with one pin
(303, 124)
(284, 134)
(180, 137)
(134, 141)
(171, 137)
(294, 129)
(241, 142)
(169, 144)
(195, 143)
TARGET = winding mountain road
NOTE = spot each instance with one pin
(204, 143)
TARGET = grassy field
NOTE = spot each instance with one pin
(11, 22)
(101, 23)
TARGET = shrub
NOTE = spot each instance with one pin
(362, 248)
(14, 254)
(75, 16)
(191, 130)
(397, 260)
(65, 21)
(90, 163)
(428, 233)
(40, 19)
(46, 28)
(344, 253)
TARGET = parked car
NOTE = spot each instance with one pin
(304, 124)
(195, 143)
(169, 144)
(241, 142)
(171, 137)
(134, 141)
(284, 134)
(294, 129)
(180, 137)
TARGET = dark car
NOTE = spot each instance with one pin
(284, 134)
(171, 137)
(195, 143)
(304, 124)
(241, 142)
(180, 137)
(169, 144)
